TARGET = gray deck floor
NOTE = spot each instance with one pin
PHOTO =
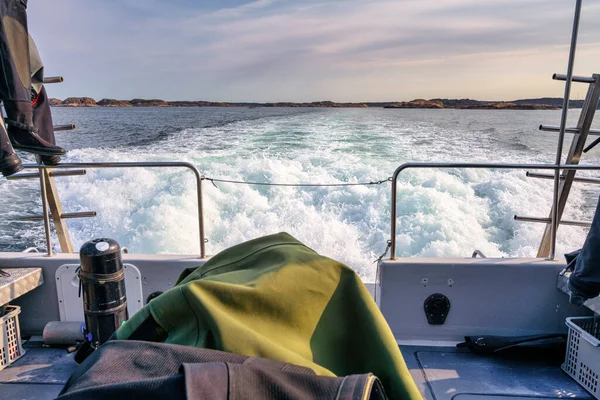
(440, 373)
(449, 373)
(39, 375)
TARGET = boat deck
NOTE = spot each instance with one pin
(445, 373)
(39, 375)
(441, 373)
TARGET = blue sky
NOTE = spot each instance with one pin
(309, 50)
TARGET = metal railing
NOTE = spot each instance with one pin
(403, 167)
(394, 180)
(189, 166)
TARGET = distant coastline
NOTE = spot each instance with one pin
(545, 103)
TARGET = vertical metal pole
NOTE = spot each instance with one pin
(563, 124)
(201, 221)
(45, 210)
(393, 228)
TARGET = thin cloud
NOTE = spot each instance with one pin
(244, 8)
(261, 50)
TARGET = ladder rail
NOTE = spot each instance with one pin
(561, 136)
(43, 189)
(563, 189)
(56, 213)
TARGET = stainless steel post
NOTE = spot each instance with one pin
(394, 196)
(129, 165)
(563, 125)
(402, 167)
(201, 220)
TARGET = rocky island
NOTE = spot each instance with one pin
(78, 102)
(418, 103)
(546, 103)
(468, 104)
(114, 103)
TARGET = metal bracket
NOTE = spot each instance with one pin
(478, 253)
(437, 307)
(53, 79)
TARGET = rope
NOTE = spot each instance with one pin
(387, 248)
(213, 180)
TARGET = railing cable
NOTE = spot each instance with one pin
(213, 180)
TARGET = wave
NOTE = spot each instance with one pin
(440, 212)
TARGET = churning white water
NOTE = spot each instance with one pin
(440, 212)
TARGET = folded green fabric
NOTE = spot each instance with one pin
(273, 297)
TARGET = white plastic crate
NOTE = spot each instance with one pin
(582, 360)
(10, 337)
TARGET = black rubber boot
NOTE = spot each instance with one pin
(26, 139)
(9, 161)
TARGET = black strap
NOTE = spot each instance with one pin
(493, 344)
(100, 278)
(19, 125)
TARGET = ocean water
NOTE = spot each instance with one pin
(440, 212)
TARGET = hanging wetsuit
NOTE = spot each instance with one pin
(17, 66)
(42, 116)
(584, 282)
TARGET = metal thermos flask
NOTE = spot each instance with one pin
(102, 280)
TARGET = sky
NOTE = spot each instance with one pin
(312, 50)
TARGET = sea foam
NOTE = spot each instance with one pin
(440, 212)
